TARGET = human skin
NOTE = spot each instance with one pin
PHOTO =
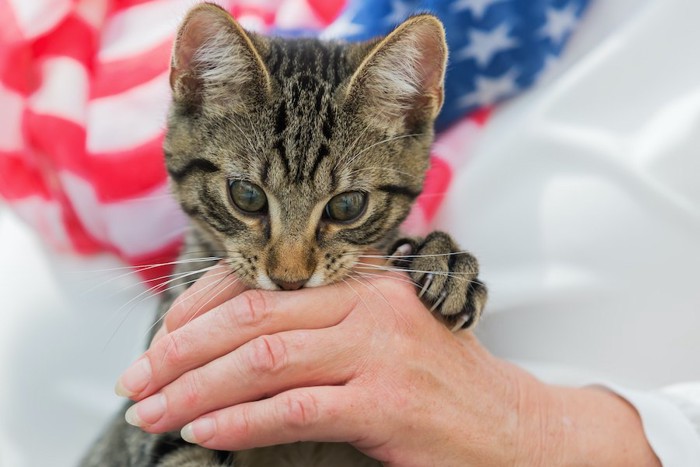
(364, 363)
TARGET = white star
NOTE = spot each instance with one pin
(489, 90)
(477, 7)
(484, 45)
(549, 67)
(559, 23)
(342, 27)
(399, 12)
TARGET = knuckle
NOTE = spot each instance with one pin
(267, 354)
(175, 350)
(299, 410)
(255, 308)
(191, 389)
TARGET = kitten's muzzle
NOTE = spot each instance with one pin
(284, 285)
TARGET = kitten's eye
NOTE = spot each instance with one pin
(247, 196)
(346, 207)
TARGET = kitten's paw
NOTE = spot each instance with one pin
(446, 278)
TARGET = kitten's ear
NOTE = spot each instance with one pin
(215, 61)
(402, 75)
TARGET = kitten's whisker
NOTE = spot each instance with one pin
(383, 297)
(198, 310)
(163, 284)
(419, 271)
(144, 267)
(203, 289)
(174, 275)
(362, 299)
(383, 168)
(428, 255)
(145, 281)
(351, 147)
(143, 295)
(404, 279)
(384, 141)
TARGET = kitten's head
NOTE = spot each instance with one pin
(295, 156)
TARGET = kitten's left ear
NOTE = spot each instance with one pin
(402, 75)
(215, 62)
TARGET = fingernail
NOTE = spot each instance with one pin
(146, 412)
(199, 431)
(134, 379)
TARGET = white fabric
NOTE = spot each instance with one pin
(581, 202)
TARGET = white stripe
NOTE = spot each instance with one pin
(135, 227)
(126, 120)
(46, 217)
(35, 17)
(141, 27)
(297, 14)
(11, 104)
(458, 141)
(64, 90)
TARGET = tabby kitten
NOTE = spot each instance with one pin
(294, 157)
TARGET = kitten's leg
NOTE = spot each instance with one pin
(446, 277)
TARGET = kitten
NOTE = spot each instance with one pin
(294, 157)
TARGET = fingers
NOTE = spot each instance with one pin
(266, 365)
(296, 415)
(211, 290)
(249, 315)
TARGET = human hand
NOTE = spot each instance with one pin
(363, 363)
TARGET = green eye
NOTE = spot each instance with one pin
(247, 196)
(346, 207)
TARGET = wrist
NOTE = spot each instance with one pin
(580, 426)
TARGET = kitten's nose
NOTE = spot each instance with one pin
(284, 285)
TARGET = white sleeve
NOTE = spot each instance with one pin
(671, 421)
(582, 204)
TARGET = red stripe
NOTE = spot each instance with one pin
(19, 178)
(437, 181)
(60, 144)
(480, 116)
(118, 76)
(81, 239)
(72, 38)
(327, 10)
(127, 174)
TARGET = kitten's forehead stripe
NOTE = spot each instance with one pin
(193, 166)
(307, 73)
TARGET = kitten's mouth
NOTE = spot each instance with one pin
(289, 285)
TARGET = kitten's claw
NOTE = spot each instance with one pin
(446, 278)
(440, 299)
(426, 285)
(402, 250)
(462, 319)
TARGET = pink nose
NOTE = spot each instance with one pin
(284, 285)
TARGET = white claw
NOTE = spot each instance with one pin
(460, 322)
(426, 284)
(439, 301)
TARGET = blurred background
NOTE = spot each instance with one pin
(580, 197)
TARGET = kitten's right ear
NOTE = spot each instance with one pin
(215, 62)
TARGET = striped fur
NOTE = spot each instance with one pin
(304, 120)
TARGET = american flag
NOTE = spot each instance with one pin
(84, 89)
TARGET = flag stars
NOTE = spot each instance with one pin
(489, 90)
(477, 7)
(559, 23)
(400, 10)
(343, 27)
(484, 45)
